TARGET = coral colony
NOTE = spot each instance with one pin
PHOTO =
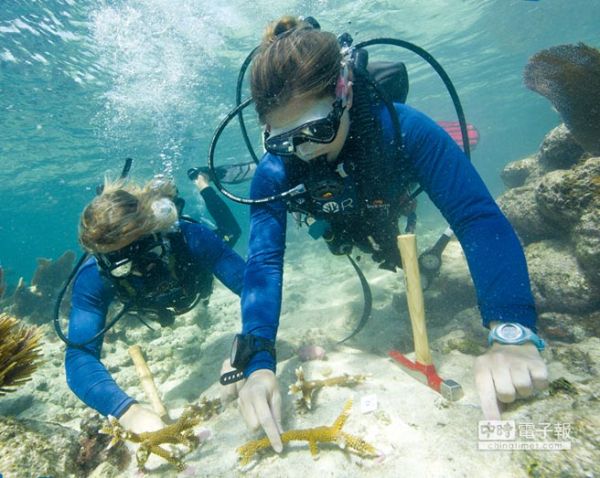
(307, 388)
(314, 437)
(179, 433)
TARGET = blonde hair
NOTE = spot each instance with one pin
(296, 61)
(124, 212)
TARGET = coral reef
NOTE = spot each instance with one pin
(19, 353)
(307, 388)
(554, 209)
(94, 447)
(569, 76)
(36, 302)
(34, 448)
(315, 436)
(180, 432)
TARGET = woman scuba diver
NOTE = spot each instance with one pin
(155, 263)
(325, 128)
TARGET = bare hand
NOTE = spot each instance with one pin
(260, 404)
(139, 419)
(506, 372)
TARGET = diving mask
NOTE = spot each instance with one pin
(318, 125)
(140, 256)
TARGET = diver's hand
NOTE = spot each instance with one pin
(507, 372)
(139, 419)
(201, 181)
(260, 404)
(231, 391)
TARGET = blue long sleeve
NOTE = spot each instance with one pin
(87, 377)
(261, 298)
(493, 252)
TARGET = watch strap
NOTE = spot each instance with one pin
(231, 377)
(529, 336)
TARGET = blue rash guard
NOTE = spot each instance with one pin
(494, 254)
(86, 375)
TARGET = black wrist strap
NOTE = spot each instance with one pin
(231, 377)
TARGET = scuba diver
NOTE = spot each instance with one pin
(340, 155)
(154, 261)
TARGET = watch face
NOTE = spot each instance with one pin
(430, 262)
(509, 332)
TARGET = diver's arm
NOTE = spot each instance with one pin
(227, 226)
(215, 255)
(86, 375)
(493, 251)
(261, 297)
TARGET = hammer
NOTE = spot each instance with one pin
(422, 368)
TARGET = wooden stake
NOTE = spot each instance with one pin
(147, 381)
(414, 296)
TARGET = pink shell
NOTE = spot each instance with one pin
(311, 352)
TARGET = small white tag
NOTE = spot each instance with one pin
(368, 404)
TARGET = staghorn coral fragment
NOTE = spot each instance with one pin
(307, 388)
(19, 353)
(179, 433)
(569, 76)
(314, 437)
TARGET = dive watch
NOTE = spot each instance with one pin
(512, 333)
(243, 348)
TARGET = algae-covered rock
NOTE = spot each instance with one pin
(34, 448)
(586, 237)
(559, 150)
(561, 327)
(516, 173)
(564, 196)
(569, 413)
(521, 209)
(558, 283)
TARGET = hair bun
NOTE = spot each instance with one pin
(281, 26)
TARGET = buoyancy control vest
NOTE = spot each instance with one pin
(358, 200)
(174, 286)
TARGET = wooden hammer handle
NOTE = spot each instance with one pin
(414, 296)
(147, 381)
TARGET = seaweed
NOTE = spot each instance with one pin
(314, 437)
(20, 353)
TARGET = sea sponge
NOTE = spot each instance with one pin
(569, 76)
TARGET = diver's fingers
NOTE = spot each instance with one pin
(268, 423)
(505, 389)
(276, 409)
(521, 379)
(539, 374)
(487, 391)
(248, 414)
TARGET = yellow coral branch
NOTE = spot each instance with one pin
(180, 432)
(314, 436)
(307, 388)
